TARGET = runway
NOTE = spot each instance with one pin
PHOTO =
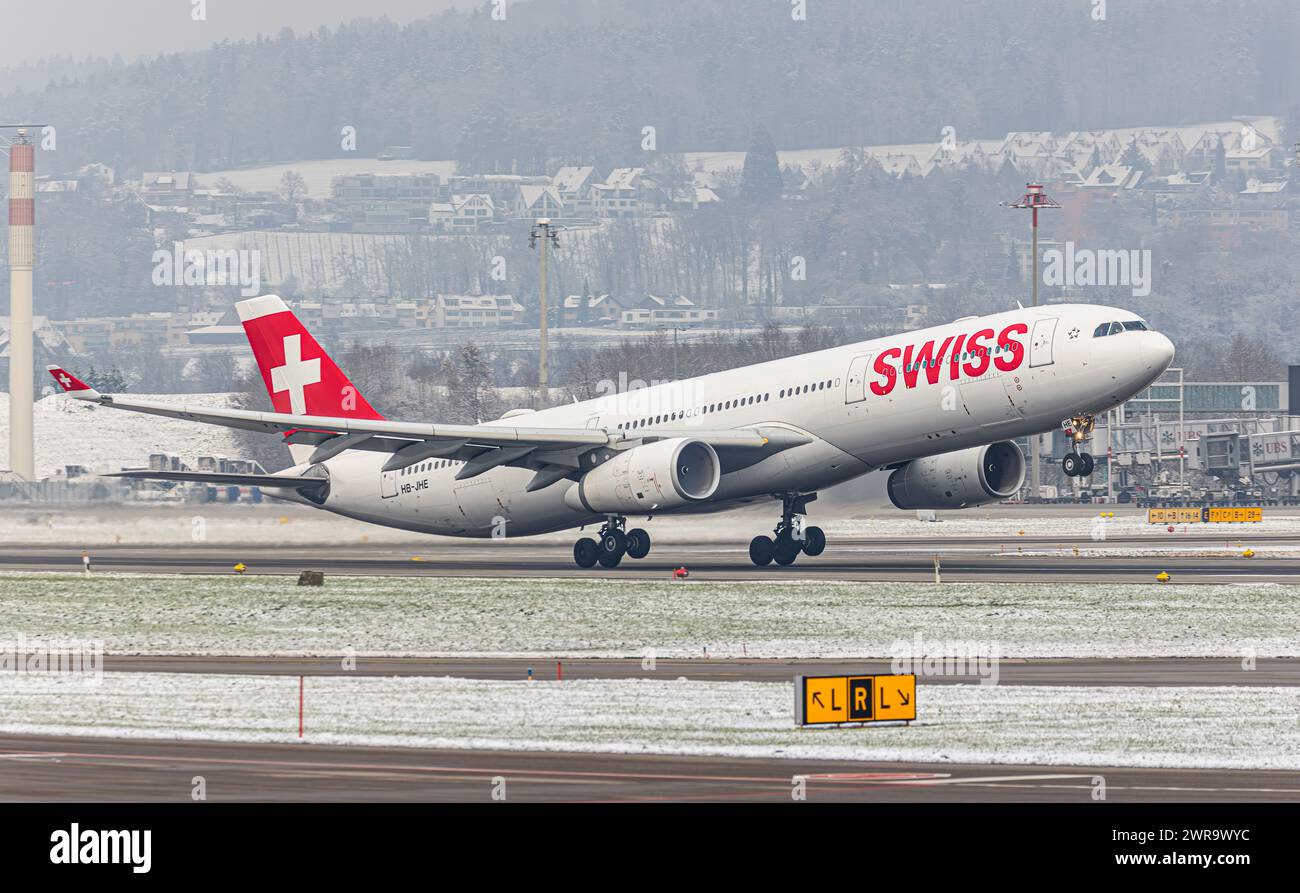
(86, 768)
(106, 770)
(962, 559)
(1040, 671)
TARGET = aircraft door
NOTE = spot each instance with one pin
(1040, 342)
(855, 383)
(387, 484)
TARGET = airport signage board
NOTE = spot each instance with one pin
(1234, 514)
(835, 700)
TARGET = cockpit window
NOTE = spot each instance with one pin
(1114, 328)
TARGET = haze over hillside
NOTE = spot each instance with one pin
(581, 79)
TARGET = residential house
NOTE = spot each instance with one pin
(216, 327)
(420, 189)
(1264, 192)
(535, 202)
(51, 345)
(1259, 161)
(463, 214)
(1113, 178)
(590, 310)
(1269, 219)
(575, 188)
(620, 195)
(163, 188)
(503, 188)
(469, 311)
(656, 311)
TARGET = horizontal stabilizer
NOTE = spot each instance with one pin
(292, 481)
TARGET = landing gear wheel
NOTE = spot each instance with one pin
(613, 545)
(760, 550)
(586, 552)
(1088, 465)
(1071, 465)
(814, 541)
(786, 551)
(637, 543)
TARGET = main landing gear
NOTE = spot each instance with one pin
(790, 538)
(612, 543)
(1076, 463)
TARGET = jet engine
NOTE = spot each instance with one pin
(956, 480)
(655, 476)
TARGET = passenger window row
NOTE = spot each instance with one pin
(422, 467)
(805, 389)
(724, 405)
(959, 358)
(699, 411)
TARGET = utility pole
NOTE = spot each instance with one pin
(676, 329)
(1034, 198)
(545, 233)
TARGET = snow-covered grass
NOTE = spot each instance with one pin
(190, 525)
(285, 524)
(1030, 521)
(574, 617)
(1161, 550)
(1192, 727)
(74, 432)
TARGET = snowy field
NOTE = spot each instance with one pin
(319, 175)
(432, 616)
(287, 524)
(1188, 727)
(74, 432)
(276, 523)
(1011, 523)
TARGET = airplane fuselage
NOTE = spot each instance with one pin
(860, 407)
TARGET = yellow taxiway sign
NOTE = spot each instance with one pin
(832, 700)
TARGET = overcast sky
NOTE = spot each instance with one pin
(33, 29)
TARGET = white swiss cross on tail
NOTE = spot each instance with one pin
(291, 361)
(295, 374)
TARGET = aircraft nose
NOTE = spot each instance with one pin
(1158, 351)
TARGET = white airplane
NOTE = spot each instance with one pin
(938, 407)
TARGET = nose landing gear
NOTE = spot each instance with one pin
(1078, 429)
(611, 545)
(791, 536)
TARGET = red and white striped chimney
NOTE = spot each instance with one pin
(22, 254)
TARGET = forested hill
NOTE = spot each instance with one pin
(577, 80)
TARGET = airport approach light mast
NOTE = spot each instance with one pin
(547, 234)
(1034, 198)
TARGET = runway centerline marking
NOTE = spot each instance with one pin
(989, 779)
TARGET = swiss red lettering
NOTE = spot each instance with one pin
(1007, 352)
(1013, 352)
(979, 364)
(954, 359)
(924, 358)
(885, 369)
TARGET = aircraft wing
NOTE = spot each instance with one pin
(289, 481)
(481, 447)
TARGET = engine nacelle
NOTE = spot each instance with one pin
(654, 476)
(956, 480)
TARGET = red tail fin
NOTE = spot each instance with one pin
(299, 375)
